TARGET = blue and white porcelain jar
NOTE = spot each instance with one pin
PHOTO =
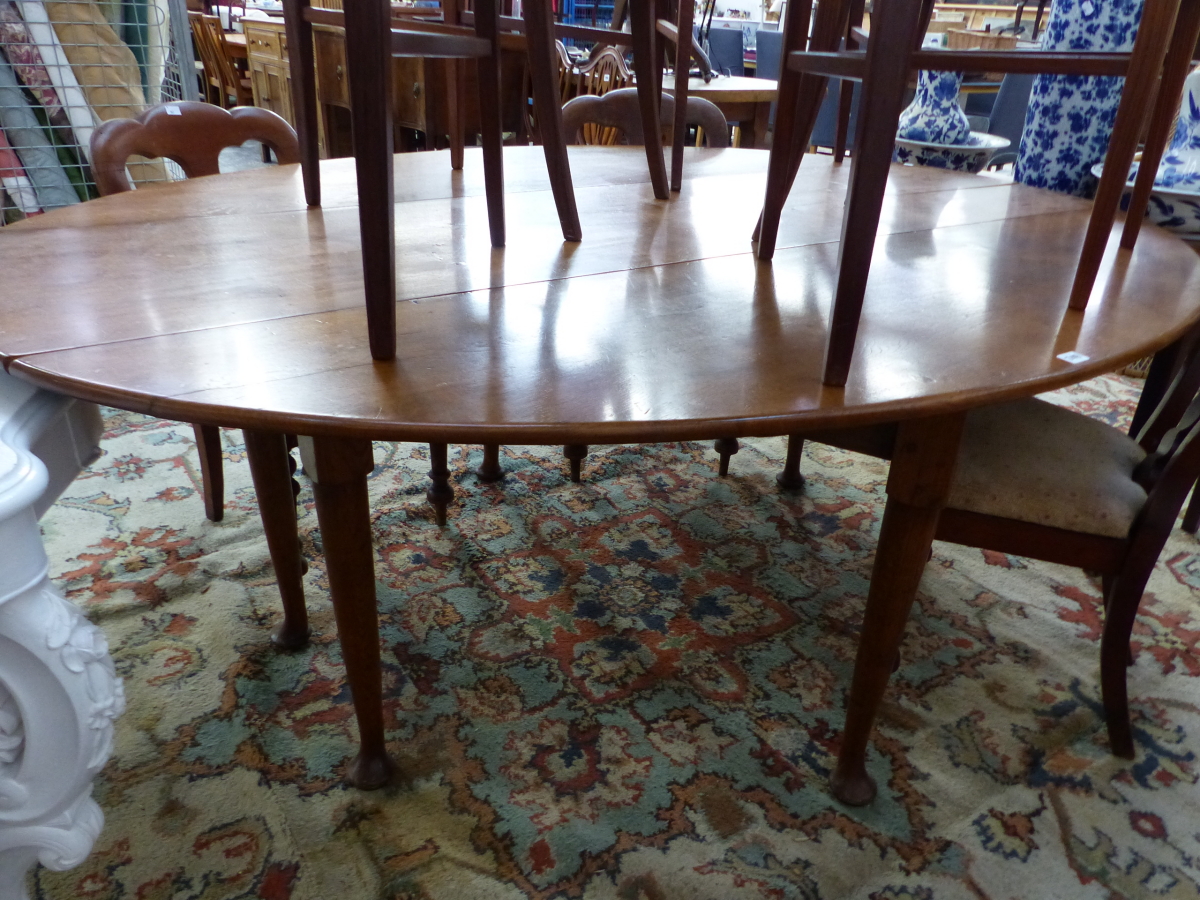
(1180, 166)
(1070, 117)
(934, 116)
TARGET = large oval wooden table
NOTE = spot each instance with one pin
(224, 300)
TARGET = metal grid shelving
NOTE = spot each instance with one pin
(66, 66)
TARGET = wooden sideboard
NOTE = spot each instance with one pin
(266, 53)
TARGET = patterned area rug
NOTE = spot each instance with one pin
(629, 689)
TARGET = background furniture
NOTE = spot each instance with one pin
(228, 87)
(744, 101)
(618, 110)
(725, 51)
(651, 332)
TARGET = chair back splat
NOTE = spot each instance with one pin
(619, 110)
(1154, 72)
(188, 133)
(373, 38)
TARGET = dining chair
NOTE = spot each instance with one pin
(192, 135)
(620, 111)
(604, 72)
(1042, 481)
(726, 52)
(230, 88)
(1154, 72)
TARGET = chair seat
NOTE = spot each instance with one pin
(1036, 462)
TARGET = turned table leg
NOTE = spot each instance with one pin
(338, 468)
(790, 478)
(440, 493)
(918, 484)
(576, 454)
(271, 471)
(489, 469)
(725, 448)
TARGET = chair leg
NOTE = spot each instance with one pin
(302, 64)
(575, 454)
(884, 82)
(790, 478)
(1191, 518)
(799, 102)
(212, 472)
(1123, 601)
(543, 76)
(842, 135)
(1137, 98)
(1175, 72)
(683, 66)
(725, 447)
(368, 55)
(642, 20)
(270, 467)
(487, 26)
(440, 493)
(489, 469)
(456, 92)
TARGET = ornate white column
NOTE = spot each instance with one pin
(59, 693)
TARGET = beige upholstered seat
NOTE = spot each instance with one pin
(1036, 462)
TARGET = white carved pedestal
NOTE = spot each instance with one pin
(59, 694)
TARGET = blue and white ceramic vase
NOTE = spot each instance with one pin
(1070, 117)
(1180, 166)
(934, 116)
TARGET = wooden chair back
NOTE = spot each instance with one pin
(218, 55)
(605, 71)
(188, 133)
(619, 111)
(1154, 74)
(212, 72)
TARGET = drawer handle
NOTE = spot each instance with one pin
(338, 72)
(417, 89)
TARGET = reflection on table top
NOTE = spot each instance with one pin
(224, 299)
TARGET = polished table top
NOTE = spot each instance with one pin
(227, 300)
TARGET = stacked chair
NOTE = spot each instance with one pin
(1154, 74)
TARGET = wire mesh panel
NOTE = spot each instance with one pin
(65, 67)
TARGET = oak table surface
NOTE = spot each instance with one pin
(225, 300)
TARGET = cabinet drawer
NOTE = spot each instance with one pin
(264, 43)
(332, 83)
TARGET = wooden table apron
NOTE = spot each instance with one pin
(225, 300)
